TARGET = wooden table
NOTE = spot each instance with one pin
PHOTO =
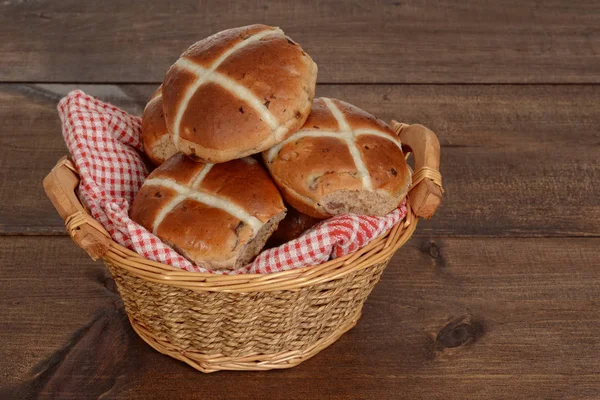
(497, 297)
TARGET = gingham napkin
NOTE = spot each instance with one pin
(104, 142)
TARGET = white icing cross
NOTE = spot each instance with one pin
(346, 134)
(205, 75)
(192, 192)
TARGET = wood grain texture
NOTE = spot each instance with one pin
(384, 41)
(516, 160)
(51, 295)
(494, 298)
(451, 318)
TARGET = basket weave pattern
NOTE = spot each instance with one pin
(206, 325)
(248, 321)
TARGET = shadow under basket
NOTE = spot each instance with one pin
(248, 322)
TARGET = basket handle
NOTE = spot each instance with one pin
(86, 232)
(425, 194)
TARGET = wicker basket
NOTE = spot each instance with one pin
(248, 322)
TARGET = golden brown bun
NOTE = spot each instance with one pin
(291, 227)
(343, 160)
(218, 216)
(237, 93)
(158, 145)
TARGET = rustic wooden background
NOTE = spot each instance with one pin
(498, 297)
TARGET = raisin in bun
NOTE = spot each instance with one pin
(237, 93)
(343, 160)
(158, 145)
(219, 216)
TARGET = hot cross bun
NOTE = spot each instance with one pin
(219, 216)
(343, 160)
(237, 93)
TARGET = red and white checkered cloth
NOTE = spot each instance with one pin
(104, 142)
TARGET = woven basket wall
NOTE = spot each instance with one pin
(251, 321)
(253, 330)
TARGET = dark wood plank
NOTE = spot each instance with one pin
(51, 294)
(386, 41)
(30, 144)
(451, 318)
(516, 160)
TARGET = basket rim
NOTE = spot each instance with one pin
(62, 182)
(378, 251)
(423, 198)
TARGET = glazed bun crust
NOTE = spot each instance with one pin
(219, 216)
(291, 227)
(158, 145)
(343, 160)
(237, 93)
